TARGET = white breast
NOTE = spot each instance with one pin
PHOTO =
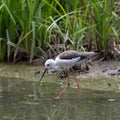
(66, 63)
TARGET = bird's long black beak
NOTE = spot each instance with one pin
(43, 75)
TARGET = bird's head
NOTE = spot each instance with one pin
(49, 64)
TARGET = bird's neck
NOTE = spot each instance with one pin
(55, 66)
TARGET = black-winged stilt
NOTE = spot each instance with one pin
(65, 61)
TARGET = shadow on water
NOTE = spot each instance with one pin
(24, 100)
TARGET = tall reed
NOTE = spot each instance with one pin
(28, 26)
(102, 18)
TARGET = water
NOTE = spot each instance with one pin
(25, 100)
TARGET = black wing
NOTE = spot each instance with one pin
(70, 55)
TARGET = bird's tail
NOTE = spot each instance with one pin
(92, 54)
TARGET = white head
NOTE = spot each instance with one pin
(50, 64)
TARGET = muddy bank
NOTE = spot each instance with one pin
(103, 69)
(104, 75)
(96, 69)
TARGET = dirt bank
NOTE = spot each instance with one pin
(103, 68)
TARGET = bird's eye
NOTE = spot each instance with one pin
(48, 64)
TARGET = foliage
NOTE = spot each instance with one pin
(102, 17)
(30, 26)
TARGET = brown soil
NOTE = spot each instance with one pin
(103, 68)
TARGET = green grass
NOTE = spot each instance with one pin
(102, 18)
(29, 27)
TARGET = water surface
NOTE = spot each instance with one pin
(25, 100)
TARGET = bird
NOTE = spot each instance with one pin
(64, 62)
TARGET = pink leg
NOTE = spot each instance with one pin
(64, 90)
(77, 83)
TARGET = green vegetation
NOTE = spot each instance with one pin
(30, 27)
